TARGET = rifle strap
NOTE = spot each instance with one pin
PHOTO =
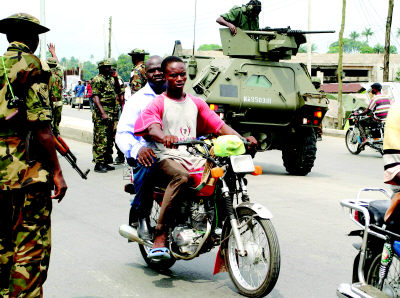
(8, 81)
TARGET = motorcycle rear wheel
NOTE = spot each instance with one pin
(351, 140)
(391, 284)
(256, 274)
(144, 250)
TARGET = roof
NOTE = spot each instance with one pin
(347, 88)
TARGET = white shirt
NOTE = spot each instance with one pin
(127, 142)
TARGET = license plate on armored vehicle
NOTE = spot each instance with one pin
(242, 163)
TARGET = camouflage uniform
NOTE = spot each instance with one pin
(56, 92)
(238, 17)
(103, 140)
(25, 202)
(138, 78)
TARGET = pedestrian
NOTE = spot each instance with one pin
(139, 156)
(88, 88)
(29, 167)
(244, 17)
(55, 88)
(104, 109)
(138, 74)
(79, 93)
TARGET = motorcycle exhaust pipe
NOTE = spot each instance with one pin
(131, 234)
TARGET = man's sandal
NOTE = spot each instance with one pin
(159, 253)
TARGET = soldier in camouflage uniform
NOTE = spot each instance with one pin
(138, 75)
(120, 90)
(103, 115)
(29, 167)
(55, 88)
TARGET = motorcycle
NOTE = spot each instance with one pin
(354, 139)
(208, 218)
(376, 268)
(67, 97)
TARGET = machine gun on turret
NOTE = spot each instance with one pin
(289, 31)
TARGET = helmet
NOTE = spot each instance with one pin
(376, 86)
(113, 63)
(105, 62)
(253, 5)
(51, 61)
(18, 20)
(137, 52)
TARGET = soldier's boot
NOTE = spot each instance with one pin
(109, 168)
(100, 168)
(119, 160)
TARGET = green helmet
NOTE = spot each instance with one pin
(105, 62)
(137, 52)
(18, 20)
(51, 61)
(113, 63)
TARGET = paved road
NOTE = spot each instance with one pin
(90, 259)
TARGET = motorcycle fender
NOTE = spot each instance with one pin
(259, 209)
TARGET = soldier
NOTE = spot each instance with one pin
(244, 17)
(55, 87)
(103, 115)
(120, 90)
(29, 167)
(138, 74)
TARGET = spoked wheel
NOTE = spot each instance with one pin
(255, 274)
(352, 143)
(391, 284)
(144, 250)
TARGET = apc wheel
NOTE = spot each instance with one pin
(300, 153)
(255, 274)
(391, 284)
(351, 140)
(144, 250)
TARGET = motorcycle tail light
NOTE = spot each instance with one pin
(213, 107)
(356, 217)
(257, 171)
(217, 172)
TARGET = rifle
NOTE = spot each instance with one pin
(63, 149)
(289, 31)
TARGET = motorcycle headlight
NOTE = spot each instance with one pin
(242, 163)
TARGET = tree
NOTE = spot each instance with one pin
(393, 50)
(124, 66)
(89, 70)
(303, 48)
(387, 42)
(354, 35)
(209, 47)
(340, 68)
(367, 32)
(379, 49)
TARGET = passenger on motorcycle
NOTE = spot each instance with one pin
(137, 153)
(377, 110)
(172, 116)
(391, 158)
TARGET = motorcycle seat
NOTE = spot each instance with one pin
(377, 210)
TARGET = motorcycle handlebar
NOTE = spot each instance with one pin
(189, 143)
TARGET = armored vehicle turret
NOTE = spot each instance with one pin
(258, 95)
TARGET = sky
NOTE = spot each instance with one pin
(80, 28)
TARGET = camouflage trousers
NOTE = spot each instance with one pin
(25, 241)
(57, 117)
(103, 137)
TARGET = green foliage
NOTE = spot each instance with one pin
(367, 32)
(89, 70)
(303, 48)
(379, 49)
(209, 47)
(393, 50)
(354, 35)
(397, 79)
(124, 66)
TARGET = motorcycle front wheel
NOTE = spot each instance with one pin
(352, 143)
(391, 284)
(144, 250)
(255, 274)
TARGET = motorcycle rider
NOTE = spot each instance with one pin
(172, 116)
(137, 153)
(377, 110)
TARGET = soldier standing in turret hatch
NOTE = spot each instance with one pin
(244, 17)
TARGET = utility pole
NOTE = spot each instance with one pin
(340, 68)
(109, 38)
(387, 42)
(43, 45)
(309, 44)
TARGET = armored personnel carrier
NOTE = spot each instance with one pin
(258, 95)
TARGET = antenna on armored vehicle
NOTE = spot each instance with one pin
(194, 26)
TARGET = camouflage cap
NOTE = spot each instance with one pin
(138, 52)
(105, 62)
(113, 63)
(52, 61)
(19, 20)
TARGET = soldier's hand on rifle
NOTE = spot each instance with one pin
(145, 156)
(60, 186)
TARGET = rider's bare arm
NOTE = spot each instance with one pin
(156, 134)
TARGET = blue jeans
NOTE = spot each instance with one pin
(143, 181)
